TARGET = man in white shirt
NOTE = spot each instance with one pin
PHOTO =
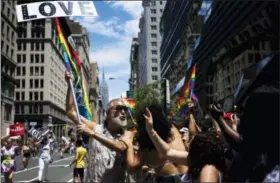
(106, 162)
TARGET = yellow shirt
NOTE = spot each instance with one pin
(80, 157)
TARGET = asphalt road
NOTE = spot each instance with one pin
(57, 171)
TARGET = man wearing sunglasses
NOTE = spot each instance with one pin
(106, 162)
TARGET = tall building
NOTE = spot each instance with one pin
(104, 90)
(149, 42)
(134, 62)
(41, 93)
(178, 39)
(81, 39)
(95, 98)
(245, 34)
(8, 63)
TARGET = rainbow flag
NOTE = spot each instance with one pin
(130, 103)
(74, 65)
(192, 82)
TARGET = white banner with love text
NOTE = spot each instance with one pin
(50, 9)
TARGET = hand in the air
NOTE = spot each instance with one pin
(82, 128)
(69, 76)
(149, 120)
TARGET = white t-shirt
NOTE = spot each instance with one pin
(45, 151)
(105, 165)
(65, 140)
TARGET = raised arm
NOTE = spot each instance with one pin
(164, 150)
(114, 145)
(70, 106)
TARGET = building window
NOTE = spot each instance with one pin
(22, 109)
(153, 19)
(42, 46)
(42, 71)
(41, 95)
(153, 3)
(19, 46)
(37, 58)
(31, 58)
(18, 71)
(17, 96)
(154, 78)
(32, 46)
(154, 52)
(41, 109)
(41, 83)
(154, 35)
(153, 11)
(42, 58)
(36, 71)
(23, 71)
(23, 58)
(35, 109)
(31, 71)
(23, 83)
(153, 27)
(18, 58)
(30, 109)
(22, 96)
(154, 61)
(30, 95)
(154, 43)
(37, 46)
(17, 109)
(154, 69)
(36, 96)
(160, 2)
(36, 83)
(30, 83)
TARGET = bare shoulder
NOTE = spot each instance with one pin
(209, 173)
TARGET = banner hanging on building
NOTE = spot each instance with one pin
(17, 130)
(50, 9)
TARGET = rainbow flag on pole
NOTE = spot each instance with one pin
(74, 65)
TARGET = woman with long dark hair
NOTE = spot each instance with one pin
(206, 158)
(165, 170)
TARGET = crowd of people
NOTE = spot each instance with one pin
(237, 146)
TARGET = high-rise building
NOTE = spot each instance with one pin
(81, 39)
(178, 39)
(134, 62)
(149, 42)
(41, 93)
(245, 34)
(95, 98)
(8, 63)
(104, 90)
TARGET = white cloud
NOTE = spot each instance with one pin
(134, 8)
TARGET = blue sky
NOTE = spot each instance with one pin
(111, 35)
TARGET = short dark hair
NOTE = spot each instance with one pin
(79, 142)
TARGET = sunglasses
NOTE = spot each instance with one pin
(121, 107)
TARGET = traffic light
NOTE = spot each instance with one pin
(129, 94)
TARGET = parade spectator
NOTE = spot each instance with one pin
(165, 170)
(106, 161)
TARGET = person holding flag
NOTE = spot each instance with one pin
(106, 161)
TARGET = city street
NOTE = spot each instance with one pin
(57, 171)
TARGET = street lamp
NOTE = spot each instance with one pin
(111, 78)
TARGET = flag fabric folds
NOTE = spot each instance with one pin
(74, 65)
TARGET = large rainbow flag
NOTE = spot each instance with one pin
(74, 65)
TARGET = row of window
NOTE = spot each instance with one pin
(34, 58)
(9, 33)
(9, 53)
(34, 46)
(154, 11)
(33, 83)
(32, 109)
(20, 96)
